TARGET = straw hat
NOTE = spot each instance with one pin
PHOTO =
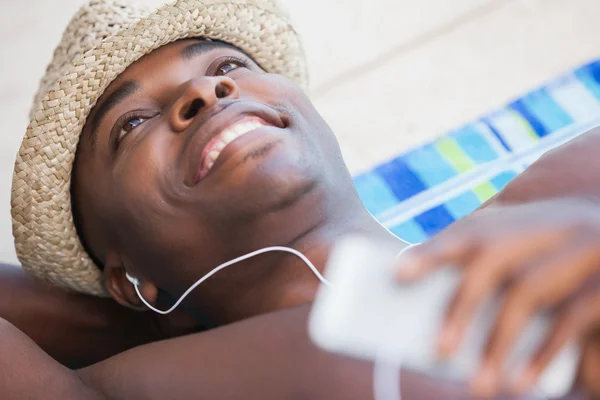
(103, 39)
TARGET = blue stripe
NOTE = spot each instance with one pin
(594, 70)
(410, 231)
(400, 179)
(472, 142)
(431, 168)
(537, 126)
(489, 124)
(434, 220)
(374, 193)
(545, 109)
(463, 204)
(500, 181)
(590, 76)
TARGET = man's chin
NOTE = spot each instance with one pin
(266, 177)
(271, 189)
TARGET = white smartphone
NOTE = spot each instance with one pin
(366, 314)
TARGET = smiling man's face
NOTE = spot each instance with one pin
(195, 155)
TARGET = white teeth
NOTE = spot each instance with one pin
(228, 136)
(212, 156)
(240, 129)
(251, 126)
(220, 145)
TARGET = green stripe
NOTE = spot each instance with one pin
(485, 191)
(455, 156)
(451, 152)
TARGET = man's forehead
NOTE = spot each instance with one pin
(185, 49)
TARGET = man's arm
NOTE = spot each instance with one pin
(29, 373)
(78, 330)
(266, 357)
(571, 170)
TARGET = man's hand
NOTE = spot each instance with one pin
(543, 256)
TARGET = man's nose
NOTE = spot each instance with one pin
(200, 94)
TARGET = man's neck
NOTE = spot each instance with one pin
(283, 280)
(317, 247)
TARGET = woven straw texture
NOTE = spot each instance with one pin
(103, 39)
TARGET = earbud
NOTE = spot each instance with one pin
(135, 281)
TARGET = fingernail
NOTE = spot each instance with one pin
(484, 384)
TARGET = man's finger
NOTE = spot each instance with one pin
(511, 320)
(477, 285)
(440, 251)
(589, 368)
(544, 285)
(485, 275)
(565, 328)
(569, 270)
(578, 318)
(461, 243)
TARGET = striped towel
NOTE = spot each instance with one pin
(425, 189)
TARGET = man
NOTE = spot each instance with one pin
(188, 157)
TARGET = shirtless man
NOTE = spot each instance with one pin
(150, 202)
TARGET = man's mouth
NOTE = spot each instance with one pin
(213, 149)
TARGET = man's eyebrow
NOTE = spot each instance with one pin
(125, 90)
(200, 47)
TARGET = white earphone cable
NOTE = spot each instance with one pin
(386, 372)
(227, 264)
(387, 379)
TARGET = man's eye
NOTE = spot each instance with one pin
(229, 66)
(130, 125)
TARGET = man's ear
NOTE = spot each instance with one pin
(123, 291)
